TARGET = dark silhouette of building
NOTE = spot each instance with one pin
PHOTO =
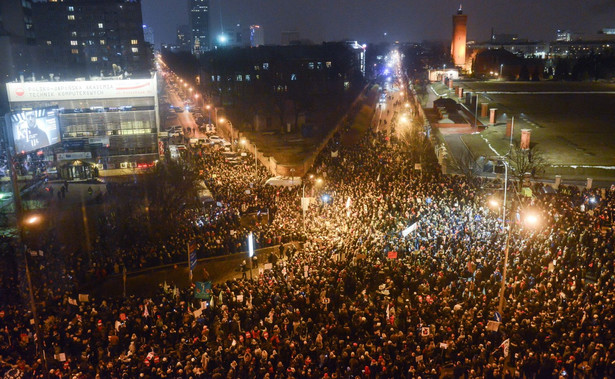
(286, 79)
(500, 62)
(85, 38)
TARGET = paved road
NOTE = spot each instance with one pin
(220, 269)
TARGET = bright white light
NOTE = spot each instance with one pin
(325, 198)
(251, 244)
(222, 38)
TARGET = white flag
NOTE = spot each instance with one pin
(505, 345)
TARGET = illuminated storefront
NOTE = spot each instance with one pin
(111, 124)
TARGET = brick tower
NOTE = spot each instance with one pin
(458, 45)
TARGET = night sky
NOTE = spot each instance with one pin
(402, 20)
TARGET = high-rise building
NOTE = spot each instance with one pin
(84, 38)
(148, 34)
(18, 51)
(17, 39)
(183, 41)
(458, 44)
(199, 22)
(257, 36)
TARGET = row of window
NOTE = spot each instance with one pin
(247, 77)
(102, 42)
(311, 66)
(135, 50)
(102, 133)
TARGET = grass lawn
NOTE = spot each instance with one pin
(571, 123)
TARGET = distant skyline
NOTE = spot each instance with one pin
(402, 20)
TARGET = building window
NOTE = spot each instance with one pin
(94, 59)
(71, 9)
(74, 51)
(100, 25)
(134, 42)
(102, 41)
(73, 34)
(48, 43)
(74, 43)
(328, 64)
(257, 67)
(71, 17)
(311, 65)
(239, 78)
(293, 76)
(265, 66)
(135, 49)
(247, 78)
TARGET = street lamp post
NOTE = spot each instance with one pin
(504, 271)
(501, 67)
(529, 219)
(476, 112)
(21, 223)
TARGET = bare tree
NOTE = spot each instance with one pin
(466, 165)
(522, 161)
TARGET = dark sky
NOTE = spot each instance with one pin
(403, 20)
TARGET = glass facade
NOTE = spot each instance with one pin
(128, 124)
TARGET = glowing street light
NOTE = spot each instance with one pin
(531, 219)
(33, 220)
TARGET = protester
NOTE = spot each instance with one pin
(359, 299)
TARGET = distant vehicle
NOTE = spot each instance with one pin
(204, 194)
(215, 139)
(175, 133)
(284, 181)
(178, 109)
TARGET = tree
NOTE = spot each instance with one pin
(530, 161)
(466, 165)
(171, 187)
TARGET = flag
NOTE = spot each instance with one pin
(202, 290)
(506, 346)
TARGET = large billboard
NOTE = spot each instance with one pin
(80, 90)
(35, 129)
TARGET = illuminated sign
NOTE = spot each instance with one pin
(81, 90)
(35, 129)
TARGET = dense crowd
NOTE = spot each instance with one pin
(360, 299)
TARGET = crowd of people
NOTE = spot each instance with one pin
(399, 276)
